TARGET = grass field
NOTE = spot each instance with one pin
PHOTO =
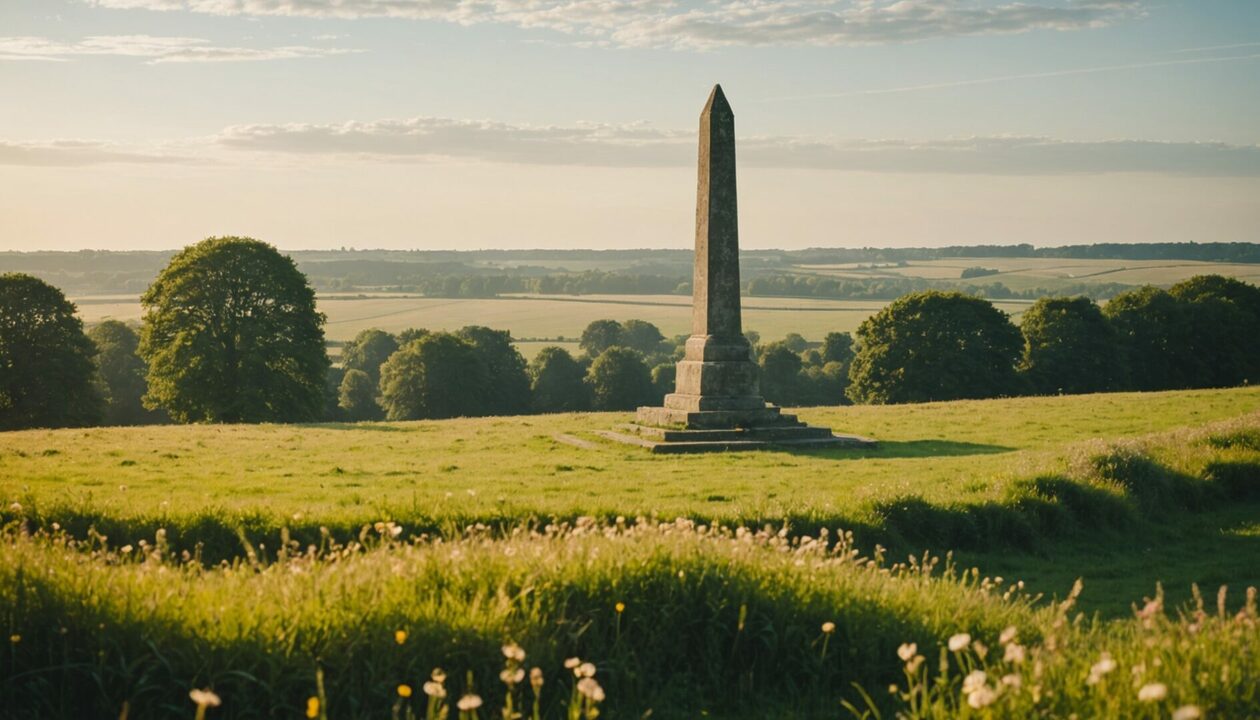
(99, 585)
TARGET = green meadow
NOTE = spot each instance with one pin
(262, 561)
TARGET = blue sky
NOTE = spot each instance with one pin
(539, 123)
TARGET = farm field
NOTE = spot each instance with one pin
(321, 550)
(1047, 273)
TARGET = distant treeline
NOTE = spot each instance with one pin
(818, 286)
(1204, 252)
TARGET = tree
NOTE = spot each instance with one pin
(231, 334)
(47, 373)
(619, 380)
(438, 376)
(357, 396)
(557, 382)
(407, 336)
(935, 346)
(837, 347)
(642, 336)
(795, 342)
(1069, 347)
(780, 374)
(601, 335)
(368, 351)
(1153, 329)
(509, 383)
(122, 372)
(664, 378)
(1224, 331)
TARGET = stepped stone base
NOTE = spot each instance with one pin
(666, 430)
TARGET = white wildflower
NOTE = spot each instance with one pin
(959, 642)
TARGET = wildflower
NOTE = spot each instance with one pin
(404, 691)
(204, 698)
(1153, 692)
(1187, 712)
(438, 675)
(959, 642)
(512, 651)
(585, 670)
(434, 689)
(591, 689)
(16, 507)
(1007, 635)
(982, 697)
(907, 651)
(469, 702)
(312, 707)
(572, 663)
(1015, 654)
(828, 627)
(1012, 680)
(620, 607)
(1096, 672)
(126, 549)
(400, 636)
(974, 681)
(512, 677)
(536, 678)
(15, 638)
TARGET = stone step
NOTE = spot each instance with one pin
(726, 445)
(785, 432)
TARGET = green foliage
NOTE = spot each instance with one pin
(642, 336)
(780, 374)
(1225, 329)
(558, 382)
(664, 380)
(1154, 333)
(837, 347)
(1070, 347)
(935, 346)
(357, 397)
(438, 376)
(601, 335)
(122, 372)
(795, 343)
(231, 334)
(509, 391)
(369, 350)
(619, 380)
(47, 374)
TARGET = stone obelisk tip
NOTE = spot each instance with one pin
(717, 103)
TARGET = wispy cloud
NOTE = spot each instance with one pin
(71, 153)
(638, 145)
(699, 26)
(154, 49)
(1022, 76)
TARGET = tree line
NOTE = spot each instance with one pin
(231, 334)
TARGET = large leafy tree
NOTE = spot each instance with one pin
(231, 334)
(935, 346)
(1154, 331)
(438, 376)
(1224, 329)
(780, 374)
(837, 347)
(1069, 347)
(557, 382)
(47, 373)
(357, 396)
(509, 383)
(122, 371)
(620, 380)
(643, 336)
(601, 335)
(368, 351)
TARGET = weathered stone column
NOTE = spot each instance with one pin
(717, 372)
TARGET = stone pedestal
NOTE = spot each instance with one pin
(716, 404)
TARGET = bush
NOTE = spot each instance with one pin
(620, 380)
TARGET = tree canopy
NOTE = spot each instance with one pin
(601, 335)
(368, 351)
(510, 384)
(557, 382)
(122, 372)
(231, 334)
(47, 373)
(1070, 347)
(357, 397)
(620, 380)
(438, 376)
(935, 346)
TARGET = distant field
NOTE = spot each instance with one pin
(1048, 273)
(548, 316)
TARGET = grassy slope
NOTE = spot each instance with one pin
(951, 460)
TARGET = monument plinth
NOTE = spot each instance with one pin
(717, 403)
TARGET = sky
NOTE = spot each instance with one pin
(466, 124)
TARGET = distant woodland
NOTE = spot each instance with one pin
(486, 273)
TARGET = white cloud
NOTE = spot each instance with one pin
(704, 25)
(154, 49)
(70, 153)
(637, 145)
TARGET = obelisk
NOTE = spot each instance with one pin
(716, 403)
